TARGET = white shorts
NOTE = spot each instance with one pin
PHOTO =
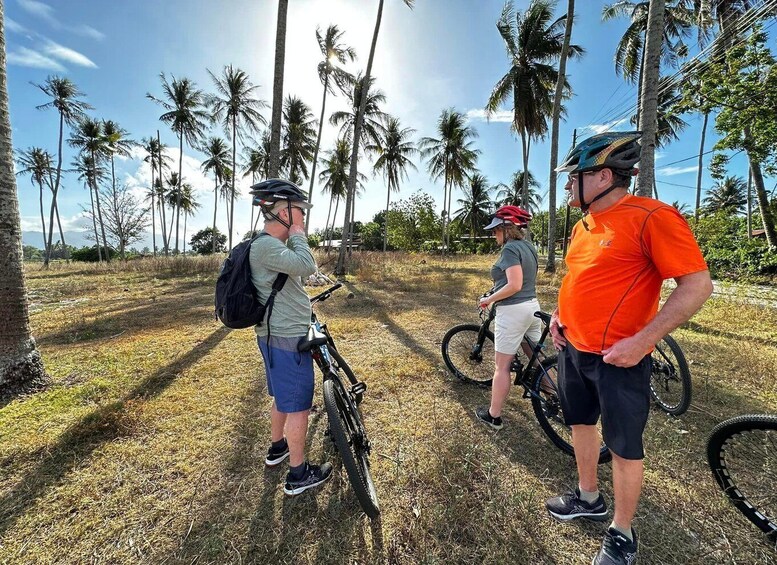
(513, 321)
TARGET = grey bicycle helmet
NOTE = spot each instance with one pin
(268, 192)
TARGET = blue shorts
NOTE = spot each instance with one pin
(590, 388)
(289, 374)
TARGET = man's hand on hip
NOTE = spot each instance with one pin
(557, 332)
(626, 352)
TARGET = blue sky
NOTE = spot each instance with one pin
(444, 53)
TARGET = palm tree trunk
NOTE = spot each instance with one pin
(699, 171)
(47, 255)
(178, 191)
(234, 175)
(444, 212)
(357, 131)
(277, 91)
(163, 217)
(21, 366)
(165, 241)
(215, 208)
(385, 218)
(763, 200)
(448, 227)
(655, 188)
(640, 81)
(749, 204)
(99, 212)
(550, 264)
(185, 217)
(315, 153)
(649, 101)
(43, 219)
(94, 224)
(153, 212)
(328, 214)
(61, 235)
(252, 227)
(334, 219)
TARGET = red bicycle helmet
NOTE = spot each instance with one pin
(510, 216)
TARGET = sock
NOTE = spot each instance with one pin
(588, 496)
(298, 471)
(625, 532)
(279, 445)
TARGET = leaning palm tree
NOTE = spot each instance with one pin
(189, 206)
(157, 160)
(534, 42)
(299, 139)
(21, 366)
(237, 108)
(65, 99)
(91, 175)
(185, 114)
(88, 137)
(36, 162)
(217, 156)
(727, 195)
(334, 176)
(330, 73)
(514, 195)
(450, 156)
(476, 206)
(357, 132)
(394, 152)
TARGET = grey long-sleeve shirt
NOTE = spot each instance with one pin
(270, 256)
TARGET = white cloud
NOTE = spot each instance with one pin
(72, 223)
(43, 11)
(658, 155)
(14, 27)
(505, 116)
(66, 54)
(601, 128)
(25, 57)
(672, 171)
(88, 31)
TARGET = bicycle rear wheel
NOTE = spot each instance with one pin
(547, 409)
(742, 453)
(670, 379)
(352, 444)
(467, 359)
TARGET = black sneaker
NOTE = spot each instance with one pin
(485, 416)
(569, 506)
(274, 457)
(314, 475)
(617, 549)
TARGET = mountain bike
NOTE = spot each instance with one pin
(670, 378)
(468, 352)
(742, 454)
(341, 397)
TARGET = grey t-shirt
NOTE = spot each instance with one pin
(270, 256)
(517, 252)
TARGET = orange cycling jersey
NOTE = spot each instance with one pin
(617, 266)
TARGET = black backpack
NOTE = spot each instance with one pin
(237, 304)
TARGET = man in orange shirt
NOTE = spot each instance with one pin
(607, 323)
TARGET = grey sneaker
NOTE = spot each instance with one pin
(485, 416)
(617, 549)
(569, 506)
(276, 457)
(314, 476)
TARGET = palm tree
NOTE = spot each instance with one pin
(394, 158)
(450, 156)
(257, 164)
(534, 41)
(514, 195)
(65, 99)
(172, 195)
(186, 116)
(335, 54)
(476, 206)
(189, 205)
(727, 195)
(156, 158)
(36, 162)
(218, 156)
(116, 143)
(277, 90)
(357, 132)
(91, 174)
(334, 176)
(88, 136)
(681, 207)
(550, 264)
(299, 139)
(238, 110)
(21, 366)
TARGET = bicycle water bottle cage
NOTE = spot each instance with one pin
(313, 339)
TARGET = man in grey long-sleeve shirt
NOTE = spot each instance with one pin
(282, 247)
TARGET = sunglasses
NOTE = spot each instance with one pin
(572, 177)
(300, 209)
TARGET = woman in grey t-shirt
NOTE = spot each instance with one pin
(515, 299)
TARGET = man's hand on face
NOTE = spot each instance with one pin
(297, 222)
(626, 352)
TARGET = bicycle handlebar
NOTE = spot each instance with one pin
(326, 294)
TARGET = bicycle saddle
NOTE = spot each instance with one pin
(545, 317)
(311, 340)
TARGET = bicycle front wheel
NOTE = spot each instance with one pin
(670, 379)
(742, 453)
(547, 408)
(351, 440)
(469, 360)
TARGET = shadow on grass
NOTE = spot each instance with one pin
(699, 328)
(109, 422)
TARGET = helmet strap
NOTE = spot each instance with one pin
(278, 219)
(584, 206)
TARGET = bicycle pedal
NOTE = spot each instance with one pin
(359, 388)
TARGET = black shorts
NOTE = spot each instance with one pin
(589, 387)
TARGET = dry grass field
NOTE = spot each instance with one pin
(149, 445)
